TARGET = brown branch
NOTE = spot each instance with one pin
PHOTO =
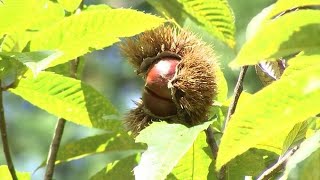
(237, 92)
(55, 143)
(54, 147)
(4, 138)
(278, 166)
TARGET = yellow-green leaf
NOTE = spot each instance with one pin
(269, 112)
(5, 174)
(70, 5)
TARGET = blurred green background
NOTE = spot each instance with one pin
(30, 129)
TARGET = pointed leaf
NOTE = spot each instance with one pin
(5, 174)
(268, 113)
(304, 163)
(301, 27)
(69, 98)
(167, 143)
(81, 33)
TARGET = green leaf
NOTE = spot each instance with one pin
(121, 169)
(17, 15)
(81, 33)
(270, 112)
(195, 163)
(301, 62)
(287, 5)
(296, 135)
(215, 16)
(167, 143)
(301, 27)
(222, 86)
(70, 99)
(70, 5)
(5, 174)
(103, 143)
(304, 163)
(35, 61)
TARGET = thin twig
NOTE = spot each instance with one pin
(211, 142)
(237, 92)
(55, 144)
(278, 166)
(4, 138)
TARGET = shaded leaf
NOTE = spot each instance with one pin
(269, 112)
(270, 71)
(296, 135)
(304, 163)
(5, 174)
(301, 27)
(121, 169)
(81, 33)
(167, 143)
(70, 99)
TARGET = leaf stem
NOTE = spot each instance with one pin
(211, 142)
(4, 138)
(278, 166)
(54, 147)
(237, 92)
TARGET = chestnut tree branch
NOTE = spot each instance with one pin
(278, 166)
(211, 142)
(55, 143)
(4, 137)
(237, 92)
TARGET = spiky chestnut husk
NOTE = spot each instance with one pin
(193, 86)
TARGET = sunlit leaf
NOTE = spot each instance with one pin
(167, 143)
(91, 30)
(69, 98)
(269, 112)
(195, 163)
(301, 28)
(5, 174)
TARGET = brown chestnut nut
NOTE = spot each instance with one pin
(179, 72)
(157, 96)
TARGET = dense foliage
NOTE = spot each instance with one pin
(41, 38)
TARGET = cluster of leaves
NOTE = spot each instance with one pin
(46, 35)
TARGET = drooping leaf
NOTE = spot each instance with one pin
(301, 27)
(195, 163)
(215, 16)
(70, 5)
(269, 71)
(81, 33)
(5, 174)
(167, 143)
(121, 169)
(103, 143)
(35, 61)
(304, 163)
(274, 109)
(296, 135)
(70, 99)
